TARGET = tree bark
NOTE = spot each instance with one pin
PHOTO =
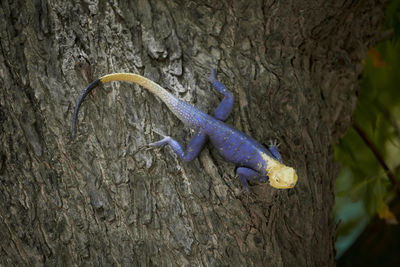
(102, 200)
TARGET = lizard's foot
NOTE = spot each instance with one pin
(212, 76)
(273, 148)
(273, 143)
(161, 142)
(157, 144)
(244, 183)
(165, 139)
(263, 179)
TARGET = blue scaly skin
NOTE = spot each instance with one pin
(254, 162)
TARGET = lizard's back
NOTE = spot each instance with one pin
(232, 144)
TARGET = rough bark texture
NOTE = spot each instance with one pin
(101, 200)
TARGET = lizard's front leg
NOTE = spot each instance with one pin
(273, 148)
(246, 174)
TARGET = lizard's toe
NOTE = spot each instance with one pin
(160, 142)
(274, 143)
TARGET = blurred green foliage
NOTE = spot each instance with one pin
(363, 187)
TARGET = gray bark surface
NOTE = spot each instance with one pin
(101, 200)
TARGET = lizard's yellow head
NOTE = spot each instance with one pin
(281, 176)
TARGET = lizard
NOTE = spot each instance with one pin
(253, 161)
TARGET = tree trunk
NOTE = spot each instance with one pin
(103, 200)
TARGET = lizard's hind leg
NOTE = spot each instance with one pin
(225, 107)
(194, 148)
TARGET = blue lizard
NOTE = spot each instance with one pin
(254, 162)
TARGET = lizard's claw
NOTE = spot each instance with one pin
(157, 144)
(147, 147)
(273, 148)
(160, 143)
(274, 143)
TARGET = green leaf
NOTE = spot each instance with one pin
(362, 177)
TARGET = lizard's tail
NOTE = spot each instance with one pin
(156, 89)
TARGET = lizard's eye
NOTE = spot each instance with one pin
(277, 179)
